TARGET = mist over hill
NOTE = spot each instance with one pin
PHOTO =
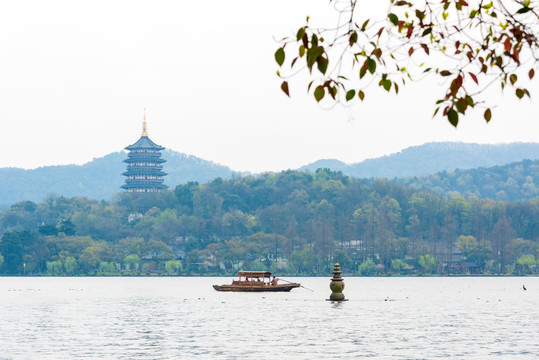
(431, 158)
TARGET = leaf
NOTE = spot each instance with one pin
(531, 74)
(520, 93)
(319, 93)
(474, 78)
(513, 79)
(350, 94)
(363, 70)
(393, 18)
(426, 48)
(523, 10)
(300, 33)
(284, 88)
(364, 26)
(371, 65)
(353, 38)
(322, 63)
(507, 44)
(426, 32)
(487, 115)
(279, 56)
(445, 73)
(410, 51)
(462, 105)
(301, 50)
(361, 95)
(453, 117)
(386, 84)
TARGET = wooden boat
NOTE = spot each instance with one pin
(256, 281)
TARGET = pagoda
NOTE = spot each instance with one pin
(144, 165)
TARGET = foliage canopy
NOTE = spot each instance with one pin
(469, 45)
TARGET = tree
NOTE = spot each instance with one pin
(427, 262)
(173, 266)
(367, 268)
(398, 265)
(54, 267)
(468, 45)
(70, 265)
(12, 249)
(132, 262)
(527, 262)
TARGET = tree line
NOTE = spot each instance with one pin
(291, 222)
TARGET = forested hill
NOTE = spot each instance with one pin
(289, 222)
(431, 158)
(101, 178)
(513, 182)
(98, 179)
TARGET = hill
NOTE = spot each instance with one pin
(98, 179)
(101, 178)
(432, 158)
(517, 181)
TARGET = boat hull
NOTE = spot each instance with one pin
(256, 288)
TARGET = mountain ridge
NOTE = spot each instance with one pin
(101, 177)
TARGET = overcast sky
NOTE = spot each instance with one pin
(75, 77)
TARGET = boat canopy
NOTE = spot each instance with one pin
(251, 274)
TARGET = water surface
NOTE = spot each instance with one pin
(184, 318)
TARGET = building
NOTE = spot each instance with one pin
(144, 165)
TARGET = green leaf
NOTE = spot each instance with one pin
(393, 18)
(322, 63)
(445, 73)
(386, 84)
(453, 117)
(427, 31)
(469, 101)
(364, 26)
(300, 33)
(461, 105)
(361, 95)
(487, 115)
(520, 93)
(279, 56)
(301, 50)
(319, 93)
(513, 79)
(371, 65)
(353, 38)
(350, 94)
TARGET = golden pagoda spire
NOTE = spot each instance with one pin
(144, 130)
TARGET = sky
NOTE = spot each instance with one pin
(76, 76)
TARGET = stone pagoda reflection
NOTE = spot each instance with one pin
(144, 165)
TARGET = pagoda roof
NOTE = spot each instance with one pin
(144, 143)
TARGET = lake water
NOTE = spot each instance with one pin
(184, 318)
